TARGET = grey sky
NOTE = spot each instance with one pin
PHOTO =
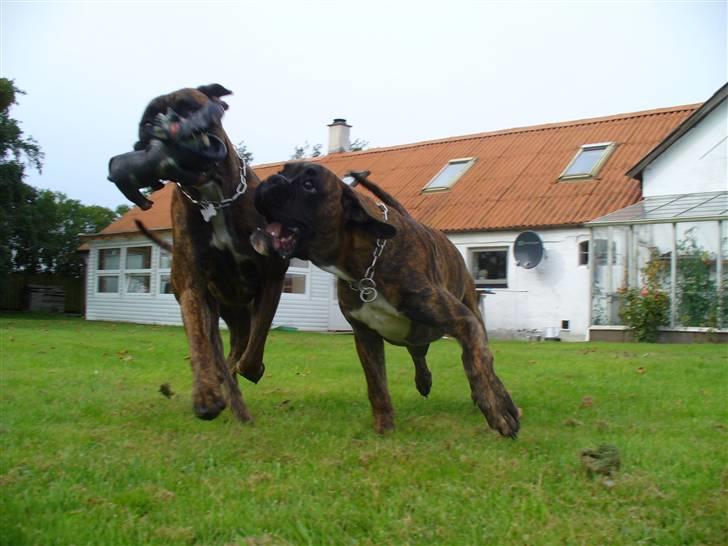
(398, 71)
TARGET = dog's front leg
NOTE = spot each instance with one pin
(423, 377)
(206, 357)
(370, 348)
(440, 309)
(251, 365)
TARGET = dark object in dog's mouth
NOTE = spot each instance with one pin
(179, 149)
(282, 239)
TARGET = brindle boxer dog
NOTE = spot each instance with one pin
(398, 280)
(215, 271)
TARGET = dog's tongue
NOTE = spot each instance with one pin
(282, 239)
(274, 229)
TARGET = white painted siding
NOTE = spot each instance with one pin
(308, 311)
(696, 163)
(555, 290)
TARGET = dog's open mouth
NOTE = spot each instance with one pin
(179, 149)
(277, 237)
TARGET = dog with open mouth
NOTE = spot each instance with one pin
(215, 271)
(399, 280)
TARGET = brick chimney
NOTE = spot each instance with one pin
(339, 136)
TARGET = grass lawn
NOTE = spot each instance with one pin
(92, 453)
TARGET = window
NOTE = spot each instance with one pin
(108, 265)
(449, 174)
(489, 267)
(165, 278)
(584, 253)
(297, 277)
(588, 161)
(138, 267)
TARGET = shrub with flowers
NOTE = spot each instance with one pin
(645, 309)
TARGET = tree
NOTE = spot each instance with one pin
(38, 228)
(243, 152)
(302, 152)
(307, 150)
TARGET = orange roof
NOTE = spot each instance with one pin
(514, 182)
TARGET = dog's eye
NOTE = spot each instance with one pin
(308, 185)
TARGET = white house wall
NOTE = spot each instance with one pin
(554, 291)
(309, 311)
(696, 163)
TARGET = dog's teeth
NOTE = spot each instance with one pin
(205, 140)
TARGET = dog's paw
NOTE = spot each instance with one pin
(252, 374)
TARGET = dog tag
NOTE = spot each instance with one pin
(208, 212)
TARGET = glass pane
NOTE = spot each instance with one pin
(139, 257)
(296, 262)
(585, 161)
(108, 284)
(109, 258)
(165, 284)
(294, 284)
(165, 259)
(137, 284)
(610, 274)
(490, 268)
(697, 280)
(446, 177)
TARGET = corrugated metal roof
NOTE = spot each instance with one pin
(513, 184)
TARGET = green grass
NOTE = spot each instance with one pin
(92, 453)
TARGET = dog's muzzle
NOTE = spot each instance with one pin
(179, 149)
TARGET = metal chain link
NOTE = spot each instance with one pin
(224, 203)
(367, 286)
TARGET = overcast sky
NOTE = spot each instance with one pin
(398, 71)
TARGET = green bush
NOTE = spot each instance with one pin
(645, 309)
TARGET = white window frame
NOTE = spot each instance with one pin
(468, 161)
(108, 272)
(160, 271)
(305, 272)
(488, 284)
(148, 272)
(607, 147)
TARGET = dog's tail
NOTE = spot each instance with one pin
(153, 236)
(360, 177)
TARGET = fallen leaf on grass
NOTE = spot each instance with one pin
(571, 422)
(641, 370)
(587, 402)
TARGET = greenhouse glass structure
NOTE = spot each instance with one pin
(677, 243)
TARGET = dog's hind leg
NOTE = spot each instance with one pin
(423, 377)
(238, 322)
(370, 348)
(228, 379)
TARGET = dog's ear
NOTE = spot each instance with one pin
(214, 91)
(356, 213)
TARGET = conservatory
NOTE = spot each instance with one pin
(666, 255)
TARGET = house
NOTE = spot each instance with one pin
(482, 190)
(679, 228)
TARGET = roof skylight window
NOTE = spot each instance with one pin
(449, 174)
(588, 160)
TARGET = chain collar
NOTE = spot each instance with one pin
(367, 286)
(208, 209)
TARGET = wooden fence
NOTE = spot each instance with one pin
(21, 290)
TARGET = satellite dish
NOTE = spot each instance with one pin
(528, 250)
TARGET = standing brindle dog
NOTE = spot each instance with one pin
(215, 271)
(398, 280)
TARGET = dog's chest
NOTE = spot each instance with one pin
(382, 317)
(222, 239)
